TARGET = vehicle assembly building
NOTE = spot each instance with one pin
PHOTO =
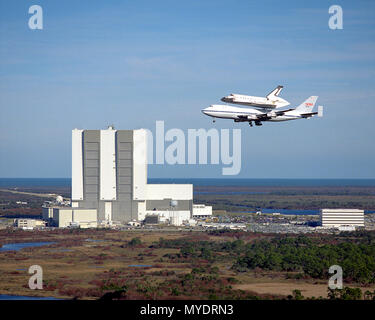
(109, 176)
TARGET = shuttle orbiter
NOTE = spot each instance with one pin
(271, 101)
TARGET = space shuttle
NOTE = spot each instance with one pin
(271, 101)
(250, 115)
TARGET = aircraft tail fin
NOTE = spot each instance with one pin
(308, 105)
(275, 92)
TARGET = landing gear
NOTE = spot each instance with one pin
(250, 123)
(214, 120)
(258, 123)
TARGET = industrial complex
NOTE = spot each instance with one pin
(110, 189)
(109, 184)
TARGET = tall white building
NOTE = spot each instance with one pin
(335, 218)
(109, 174)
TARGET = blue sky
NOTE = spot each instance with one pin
(131, 63)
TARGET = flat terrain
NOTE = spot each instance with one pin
(76, 260)
(88, 264)
(171, 264)
(308, 290)
(224, 198)
(236, 198)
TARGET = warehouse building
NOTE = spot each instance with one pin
(28, 224)
(63, 217)
(341, 218)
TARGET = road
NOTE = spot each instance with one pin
(41, 195)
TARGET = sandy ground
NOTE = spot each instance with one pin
(285, 288)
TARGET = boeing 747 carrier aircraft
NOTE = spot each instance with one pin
(251, 115)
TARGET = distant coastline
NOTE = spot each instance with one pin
(66, 182)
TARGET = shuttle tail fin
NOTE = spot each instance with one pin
(275, 92)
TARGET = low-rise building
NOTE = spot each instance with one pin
(346, 228)
(335, 218)
(152, 219)
(201, 211)
(29, 224)
(64, 217)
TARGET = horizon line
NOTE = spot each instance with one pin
(225, 178)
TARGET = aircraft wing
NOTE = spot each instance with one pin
(280, 113)
(243, 118)
(254, 117)
(264, 116)
(261, 117)
(308, 115)
(272, 114)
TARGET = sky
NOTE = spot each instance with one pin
(131, 63)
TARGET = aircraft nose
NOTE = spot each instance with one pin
(204, 111)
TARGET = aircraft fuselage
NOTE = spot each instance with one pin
(247, 114)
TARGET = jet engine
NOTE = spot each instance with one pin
(271, 114)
